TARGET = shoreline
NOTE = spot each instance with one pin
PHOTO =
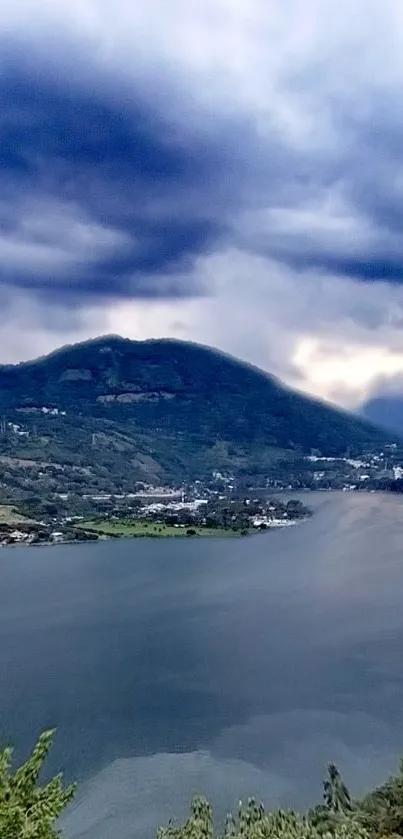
(221, 534)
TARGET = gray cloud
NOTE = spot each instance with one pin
(208, 156)
(108, 190)
(103, 194)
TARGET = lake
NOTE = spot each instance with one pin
(227, 667)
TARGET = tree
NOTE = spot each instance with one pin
(381, 811)
(336, 795)
(337, 807)
(27, 810)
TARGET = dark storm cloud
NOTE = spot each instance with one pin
(339, 210)
(371, 176)
(113, 189)
(356, 267)
(102, 194)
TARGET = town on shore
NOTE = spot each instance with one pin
(221, 505)
(150, 511)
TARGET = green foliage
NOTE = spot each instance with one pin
(154, 528)
(382, 809)
(27, 810)
(253, 822)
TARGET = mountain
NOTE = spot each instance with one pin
(109, 412)
(386, 412)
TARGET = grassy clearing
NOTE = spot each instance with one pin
(9, 515)
(140, 527)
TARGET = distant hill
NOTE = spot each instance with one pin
(386, 412)
(161, 410)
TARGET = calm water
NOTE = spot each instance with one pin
(229, 667)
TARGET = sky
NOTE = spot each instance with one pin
(222, 171)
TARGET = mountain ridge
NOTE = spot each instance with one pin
(166, 410)
(120, 340)
(114, 338)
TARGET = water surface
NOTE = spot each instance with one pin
(223, 666)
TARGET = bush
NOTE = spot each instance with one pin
(253, 822)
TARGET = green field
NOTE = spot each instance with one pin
(140, 527)
(9, 515)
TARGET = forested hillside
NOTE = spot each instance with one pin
(113, 411)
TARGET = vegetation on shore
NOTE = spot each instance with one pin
(156, 529)
(30, 811)
(218, 517)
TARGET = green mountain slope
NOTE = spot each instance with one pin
(164, 411)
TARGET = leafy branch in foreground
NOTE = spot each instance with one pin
(27, 810)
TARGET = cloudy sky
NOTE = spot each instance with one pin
(225, 171)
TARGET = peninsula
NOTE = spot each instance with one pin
(116, 518)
